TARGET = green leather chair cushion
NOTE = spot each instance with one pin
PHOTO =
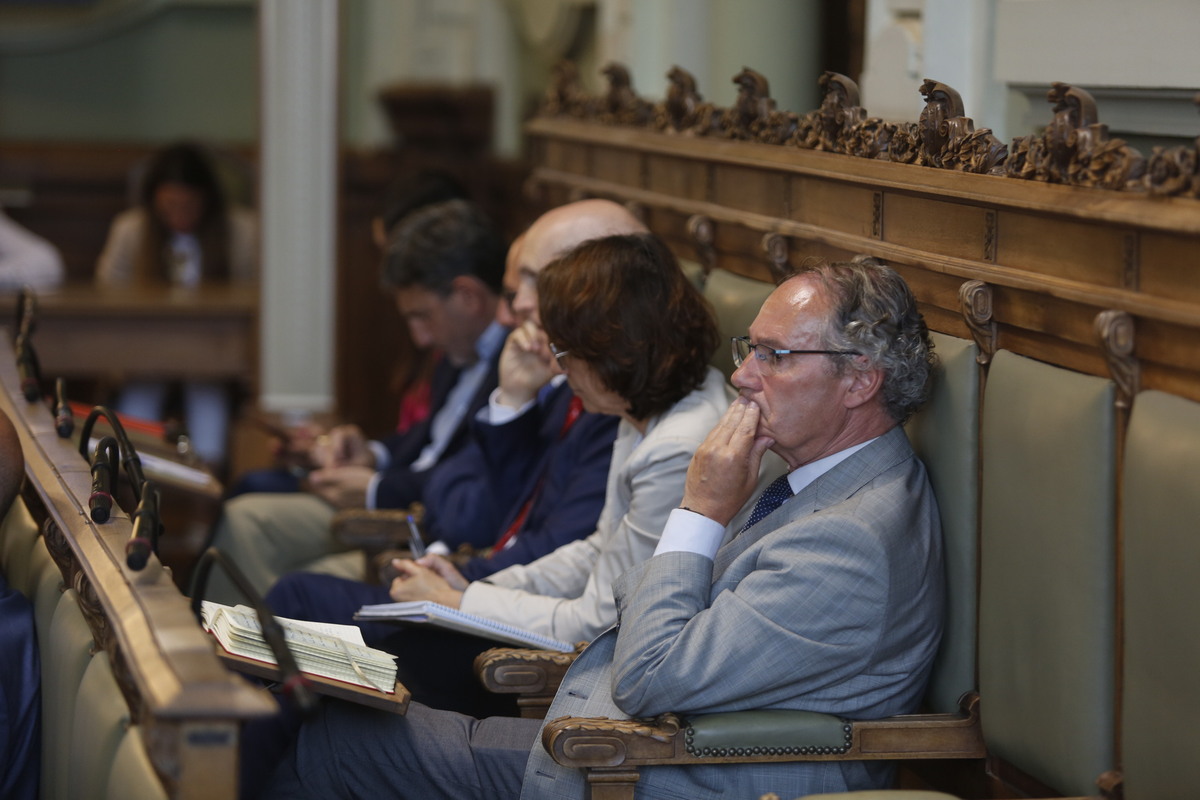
(132, 776)
(64, 660)
(946, 437)
(101, 718)
(761, 732)
(1047, 580)
(1161, 513)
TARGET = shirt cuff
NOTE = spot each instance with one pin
(383, 457)
(496, 413)
(438, 548)
(689, 532)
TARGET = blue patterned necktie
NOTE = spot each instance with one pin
(771, 499)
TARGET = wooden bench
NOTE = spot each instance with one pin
(1057, 275)
(135, 701)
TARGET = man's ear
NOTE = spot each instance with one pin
(864, 386)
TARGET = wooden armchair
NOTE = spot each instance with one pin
(374, 531)
(945, 435)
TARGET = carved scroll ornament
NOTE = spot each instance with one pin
(975, 301)
(1116, 332)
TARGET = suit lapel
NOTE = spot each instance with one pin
(829, 489)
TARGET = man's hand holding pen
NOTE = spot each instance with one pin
(430, 577)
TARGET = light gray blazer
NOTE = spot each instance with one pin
(567, 594)
(833, 603)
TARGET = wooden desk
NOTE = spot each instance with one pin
(88, 331)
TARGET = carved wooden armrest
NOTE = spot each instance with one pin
(613, 750)
(371, 530)
(533, 674)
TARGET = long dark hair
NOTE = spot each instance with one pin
(188, 164)
(623, 305)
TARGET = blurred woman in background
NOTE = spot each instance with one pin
(183, 232)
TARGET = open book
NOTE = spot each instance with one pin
(455, 620)
(331, 651)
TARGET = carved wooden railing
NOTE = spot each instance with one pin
(1074, 148)
(187, 705)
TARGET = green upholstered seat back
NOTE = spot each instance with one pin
(1161, 516)
(64, 659)
(1047, 581)
(946, 437)
(132, 776)
(101, 717)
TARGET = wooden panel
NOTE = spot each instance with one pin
(1170, 266)
(1047, 315)
(618, 166)
(834, 205)
(948, 229)
(1062, 248)
(755, 190)
(677, 177)
(566, 156)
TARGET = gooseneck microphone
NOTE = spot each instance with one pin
(295, 686)
(129, 457)
(64, 420)
(104, 466)
(143, 539)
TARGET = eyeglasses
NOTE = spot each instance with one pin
(771, 356)
(558, 354)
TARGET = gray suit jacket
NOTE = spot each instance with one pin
(833, 603)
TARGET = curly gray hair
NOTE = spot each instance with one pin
(875, 315)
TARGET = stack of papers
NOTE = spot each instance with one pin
(331, 651)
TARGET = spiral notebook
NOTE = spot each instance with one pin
(455, 620)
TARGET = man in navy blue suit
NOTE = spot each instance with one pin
(445, 264)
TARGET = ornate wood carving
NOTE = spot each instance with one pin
(945, 137)
(1075, 147)
(622, 106)
(776, 247)
(60, 551)
(754, 116)
(93, 612)
(1175, 170)
(684, 110)
(975, 302)
(702, 230)
(565, 94)
(1116, 332)
(840, 125)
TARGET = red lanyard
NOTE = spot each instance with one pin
(573, 412)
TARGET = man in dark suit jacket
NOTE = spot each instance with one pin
(445, 264)
(829, 598)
